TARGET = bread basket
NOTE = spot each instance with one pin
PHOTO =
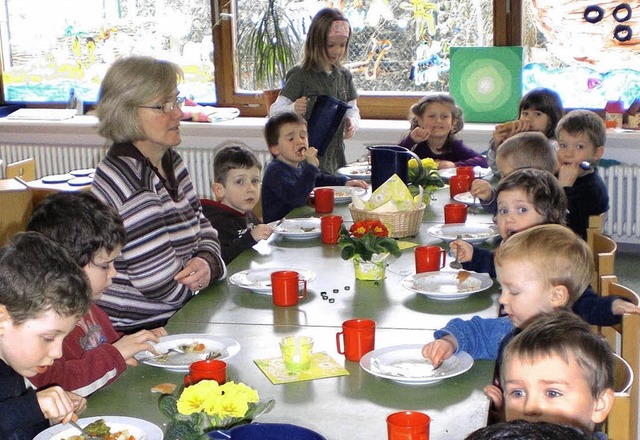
(400, 224)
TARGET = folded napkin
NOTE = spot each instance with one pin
(391, 196)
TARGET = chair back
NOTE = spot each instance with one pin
(622, 423)
(15, 208)
(24, 169)
(604, 252)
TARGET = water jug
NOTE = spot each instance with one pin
(387, 160)
(326, 116)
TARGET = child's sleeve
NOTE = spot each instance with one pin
(481, 262)
(594, 309)
(20, 414)
(480, 337)
(465, 156)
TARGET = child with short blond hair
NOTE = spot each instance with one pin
(558, 370)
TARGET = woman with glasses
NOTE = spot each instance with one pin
(172, 251)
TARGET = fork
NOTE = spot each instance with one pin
(85, 433)
(155, 356)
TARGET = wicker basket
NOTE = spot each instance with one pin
(400, 224)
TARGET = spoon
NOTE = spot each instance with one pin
(455, 264)
(85, 433)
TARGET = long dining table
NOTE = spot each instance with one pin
(354, 406)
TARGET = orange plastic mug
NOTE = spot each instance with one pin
(408, 425)
(330, 228)
(285, 286)
(359, 338)
(206, 370)
(455, 213)
(459, 183)
(429, 258)
(324, 200)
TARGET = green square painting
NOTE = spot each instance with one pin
(486, 82)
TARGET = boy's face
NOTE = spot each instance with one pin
(241, 189)
(100, 271)
(292, 144)
(525, 294)
(548, 389)
(538, 121)
(29, 348)
(516, 212)
(574, 148)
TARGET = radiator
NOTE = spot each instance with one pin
(62, 159)
(623, 184)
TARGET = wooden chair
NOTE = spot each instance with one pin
(15, 208)
(24, 169)
(622, 423)
(596, 224)
(604, 252)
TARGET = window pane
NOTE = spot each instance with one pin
(396, 45)
(584, 61)
(49, 47)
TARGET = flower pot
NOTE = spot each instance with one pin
(270, 97)
(373, 270)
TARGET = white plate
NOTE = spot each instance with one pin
(298, 228)
(362, 172)
(259, 280)
(478, 171)
(342, 194)
(445, 285)
(404, 364)
(80, 181)
(469, 233)
(57, 178)
(83, 172)
(180, 362)
(466, 198)
(140, 429)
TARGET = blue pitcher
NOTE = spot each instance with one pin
(326, 116)
(387, 160)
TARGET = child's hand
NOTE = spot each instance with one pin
(357, 183)
(464, 250)
(300, 105)
(620, 307)
(481, 189)
(439, 350)
(311, 156)
(442, 164)
(261, 232)
(495, 395)
(568, 174)
(129, 345)
(420, 134)
(349, 128)
(59, 405)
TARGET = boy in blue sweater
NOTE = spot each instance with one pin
(293, 172)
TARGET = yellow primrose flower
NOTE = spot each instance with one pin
(230, 405)
(194, 398)
(240, 389)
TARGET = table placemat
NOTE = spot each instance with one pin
(322, 365)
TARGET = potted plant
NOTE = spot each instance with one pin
(272, 45)
(369, 245)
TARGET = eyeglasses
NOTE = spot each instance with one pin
(167, 107)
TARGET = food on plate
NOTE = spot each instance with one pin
(462, 276)
(100, 429)
(192, 347)
(163, 388)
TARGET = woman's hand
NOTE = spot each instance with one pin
(195, 275)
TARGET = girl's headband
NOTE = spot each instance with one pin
(339, 28)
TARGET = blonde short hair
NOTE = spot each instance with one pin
(130, 82)
(560, 256)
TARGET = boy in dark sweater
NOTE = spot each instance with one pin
(236, 172)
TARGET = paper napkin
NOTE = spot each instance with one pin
(322, 365)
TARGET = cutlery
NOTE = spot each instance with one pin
(156, 356)
(455, 264)
(585, 165)
(85, 433)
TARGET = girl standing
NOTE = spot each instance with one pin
(435, 120)
(321, 73)
(539, 110)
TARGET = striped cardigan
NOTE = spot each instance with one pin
(165, 228)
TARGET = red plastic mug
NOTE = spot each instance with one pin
(285, 286)
(459, 184)
(206, 370)
(330, 228)
(359, 338)
(408, 425)
(466, 171)
(455, 213)
(429, 258)
(323, 199)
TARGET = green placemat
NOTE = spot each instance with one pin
(322, 365)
